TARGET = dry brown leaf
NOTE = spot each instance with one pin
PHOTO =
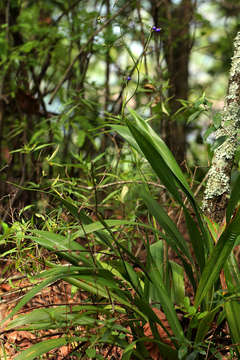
(64, 350)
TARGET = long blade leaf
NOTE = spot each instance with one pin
(218, 258)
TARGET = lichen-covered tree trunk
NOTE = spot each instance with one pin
(218, 184)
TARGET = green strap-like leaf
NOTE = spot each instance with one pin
(165, 222)
(232, 307)
(232, 310)
(165, 166)
(157, 162)
(234, 198)
(218, 258)
(172, 236)
(166, 303)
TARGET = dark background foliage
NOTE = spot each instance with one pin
(64, 69)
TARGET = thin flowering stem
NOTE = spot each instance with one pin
(129, 77)
(135, 67)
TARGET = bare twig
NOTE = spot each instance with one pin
(116, 183)
(90, 39)
(142, 35)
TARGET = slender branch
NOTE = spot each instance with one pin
(138, 5)
(123, 182)
(107, 64)
(90, 39)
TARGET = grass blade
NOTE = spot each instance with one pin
(218, 258)
(43, 347)
(165, 166)
(232, 310)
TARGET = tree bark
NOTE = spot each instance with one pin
(175, 20)
(219, 176)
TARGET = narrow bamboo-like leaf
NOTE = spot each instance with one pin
(126, 134)
(64, 247)
(234, 198)
(165, 222)
(195, 115)
(232, 273)
(64, 273)
(91, 285)
(134, 279)
(120, 296)
(166, 303)
(84, 219)
(96, 226)
(43, 347)
(232, 310)
(29, 296)
(218, 142)
(71, 320)
(173, 237)
(232, 307)
(218, 258)
(103, 236)
(45, 318)
(178, 285)
(196, 240)
(97, 276)
(156, 255)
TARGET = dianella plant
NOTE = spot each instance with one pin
(127, 291)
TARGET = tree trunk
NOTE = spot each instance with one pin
(219, 176)
(175, 21)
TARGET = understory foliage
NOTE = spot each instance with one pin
(100, 201)
(123, 286)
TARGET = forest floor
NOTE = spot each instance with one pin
(12, 342)
(14, 285)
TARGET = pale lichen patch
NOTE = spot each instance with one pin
(219, 176)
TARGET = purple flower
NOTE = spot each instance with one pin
(156, 29)
(129, 78)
